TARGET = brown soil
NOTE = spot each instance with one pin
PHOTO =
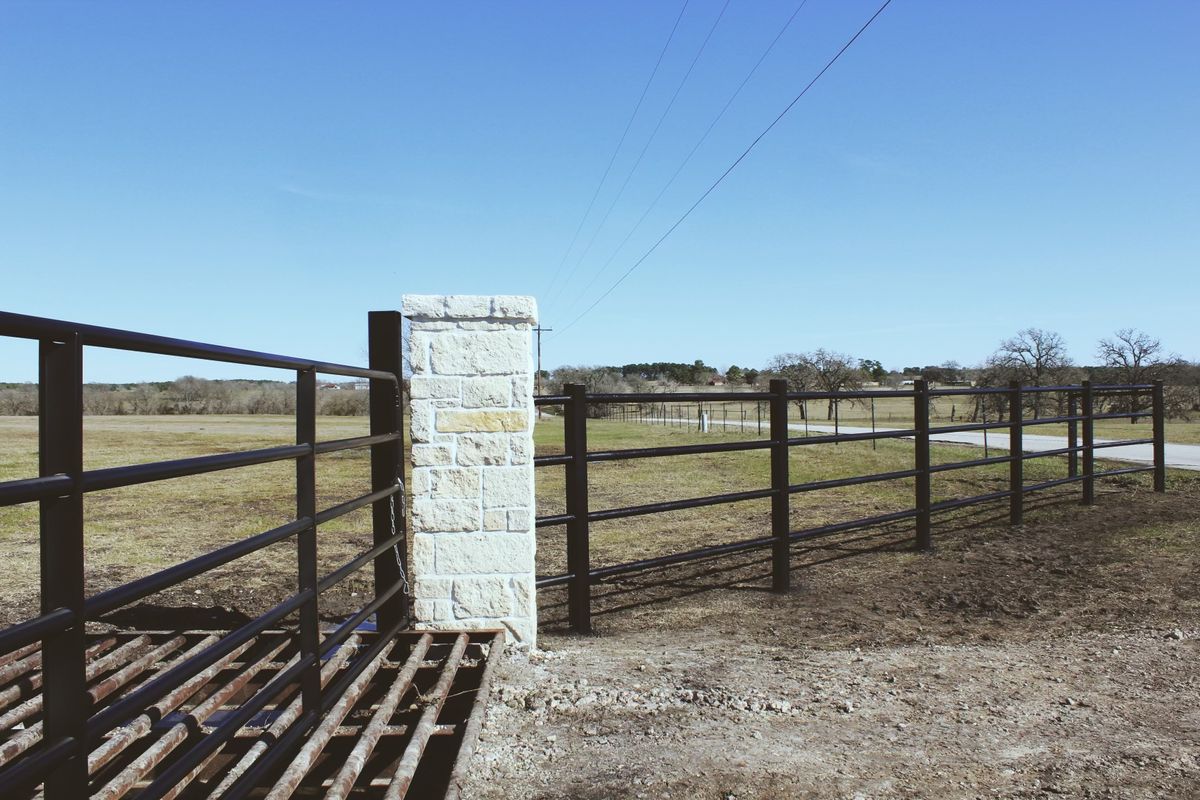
(1055, 659)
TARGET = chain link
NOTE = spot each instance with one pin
(396, 547)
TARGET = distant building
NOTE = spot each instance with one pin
(716, 380)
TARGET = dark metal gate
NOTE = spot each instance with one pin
(275, 706)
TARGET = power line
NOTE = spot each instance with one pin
(620, 142)
(692, 152)
(728, 170)
(646, 146)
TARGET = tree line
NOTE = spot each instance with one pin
(189, 395)
(1032, 356)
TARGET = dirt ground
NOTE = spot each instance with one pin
(1055, 659)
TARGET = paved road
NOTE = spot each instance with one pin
(1179, 456)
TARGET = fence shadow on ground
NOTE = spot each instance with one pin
(750, 572)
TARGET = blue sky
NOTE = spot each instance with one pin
(264, 174)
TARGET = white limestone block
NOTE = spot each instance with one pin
(520, 449)
(445, 515)
(472, 353)
(486, 392)
(483, 448)
(432, 455)
(519, 519)
(505, 487)
(454, 483)
(424, 387)
(514, 307)
(483, 553)
(482, 596)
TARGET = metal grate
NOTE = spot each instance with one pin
(403, 722)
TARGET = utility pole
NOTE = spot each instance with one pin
(539, 330)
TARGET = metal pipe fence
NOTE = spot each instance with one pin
(73, 722)
(575, 400)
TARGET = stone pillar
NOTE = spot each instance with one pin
(472, 453)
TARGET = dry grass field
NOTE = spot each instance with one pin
(133, 531)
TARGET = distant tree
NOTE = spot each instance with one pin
(797, 370)
(821, 369)
(946, 372)
(596, 379)
(872, 369)
(835, 372)
(750, 376)
(1035, 357)
(1183, 396)
(953, 371)
(734, 374)
(933, 374)
(19, 400)
(1134, 357)
(701, 372)
(989, 407)
(600, 379)
(342, 403)
(668, 371)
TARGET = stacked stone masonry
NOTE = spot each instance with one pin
(472, 453)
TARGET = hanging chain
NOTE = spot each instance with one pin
(399, 394)
(396, 545)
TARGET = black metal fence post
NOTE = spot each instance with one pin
(1072, 435)
(1016, 450)
(922, 465)
(1089, 453)
(874, 442)
(308, 629)
(579, 563)
(1160, 438)
(387, 461)
(780, 499)
(836, 420)
(60, 433)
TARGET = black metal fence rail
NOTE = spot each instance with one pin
(1080, 401)
(73, 723)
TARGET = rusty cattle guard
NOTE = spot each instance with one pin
(274, 708)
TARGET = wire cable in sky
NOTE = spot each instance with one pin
(728, 170)
(654, 203)
(620, 142)
(645, 147)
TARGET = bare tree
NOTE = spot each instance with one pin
(1134, 357)
(1131, 355)
(19, 400)
(1034, 357)
(797, 370)
(835, 372)
(822, 370)
(1183, 396)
